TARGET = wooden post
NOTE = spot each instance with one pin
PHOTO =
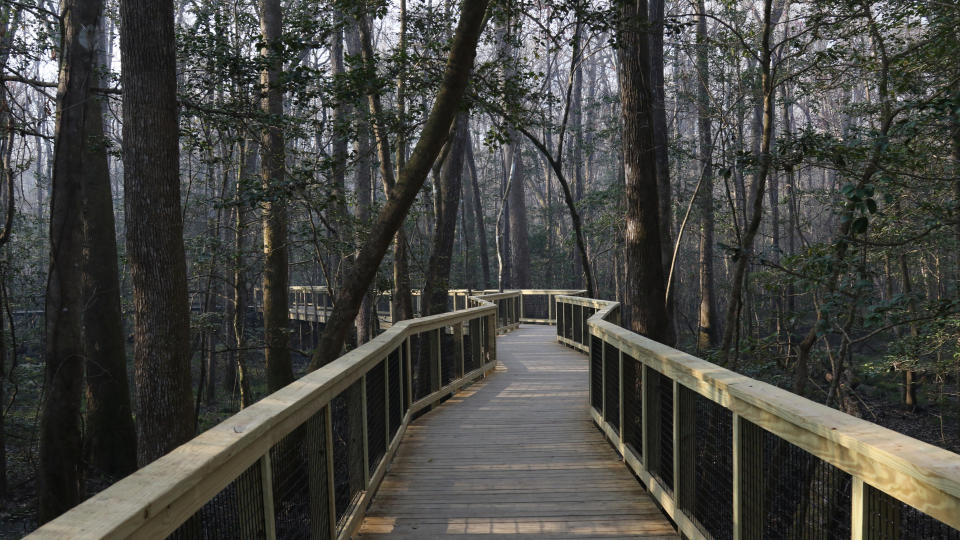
(858, 508)
(266, 480)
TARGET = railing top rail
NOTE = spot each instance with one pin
(589, 302)
(204, 465)
(918, 473)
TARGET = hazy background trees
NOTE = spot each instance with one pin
(773, 185)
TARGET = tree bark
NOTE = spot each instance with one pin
(157, 263)
(276, 309)
(746, 244)
(478, 215)
(437, 283)
(60, 479)
(111, 437)
(645, 307)
(707, 333)
(434, 133)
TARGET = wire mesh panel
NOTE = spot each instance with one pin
(469, 343)
(788, 492)
(298, 464)
(235, 512)
(568, 321)
(890, 519)
(578, 324)
(706, 463)
(536, 306)
(449, 356)
(501, 313)
(659, 405)
(347, 413)
(376, 415)
(633, 404)
(611, 386)
(395, 391)
(596, 374)
(420, 364)
(404, 364)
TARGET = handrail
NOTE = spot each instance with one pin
(237, 465)
(663, 409)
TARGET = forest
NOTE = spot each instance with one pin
(771, 185)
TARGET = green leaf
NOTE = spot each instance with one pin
(860, 225)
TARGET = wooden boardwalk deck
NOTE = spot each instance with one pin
(514, 456)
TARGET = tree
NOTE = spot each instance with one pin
(60, 475)
(276, 311)
(432, 137)
(161, 335)
(707, 337)
(645, 308)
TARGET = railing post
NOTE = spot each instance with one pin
(858, 510)
(266, 480)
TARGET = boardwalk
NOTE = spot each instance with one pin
(515, 456)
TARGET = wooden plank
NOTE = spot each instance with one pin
(514, 454)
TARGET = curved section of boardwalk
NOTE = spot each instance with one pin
(514, 456)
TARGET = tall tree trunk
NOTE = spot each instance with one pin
(409, 182)
(151, 159)
(575, 156)
(437, 283)
(60, 480)
(707, 334)
(517, 218)
(664, 190)
(241, 295)
(646, 311)
(478, 215)
(402, 299)
(276, 311)
(111, 437)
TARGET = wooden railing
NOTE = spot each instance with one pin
(727, 456)
(305, 460)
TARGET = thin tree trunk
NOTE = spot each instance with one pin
(707, 333)
(276, 311)
(757, 190)
(478, 215)
(157, 263)
(409, 182)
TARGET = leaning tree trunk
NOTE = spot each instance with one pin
(60, 482)
(645, 280)
(411, 179)
(151, 159)
(276, 310)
